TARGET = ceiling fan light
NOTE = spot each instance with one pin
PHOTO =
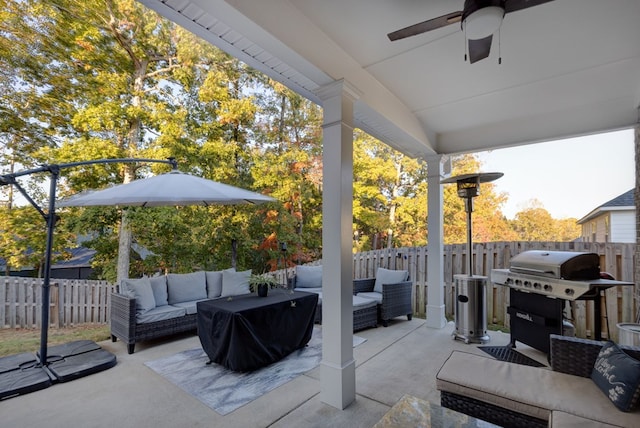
(483, 22)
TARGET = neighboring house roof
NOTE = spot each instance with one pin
(80, 257)
(626, 201)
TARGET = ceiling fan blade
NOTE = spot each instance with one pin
(425, 26)
(514, 5)
(479, 49)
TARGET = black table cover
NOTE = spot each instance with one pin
(249, 332)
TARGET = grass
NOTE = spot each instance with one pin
(17, 341)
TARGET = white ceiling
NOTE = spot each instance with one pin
(569, 67)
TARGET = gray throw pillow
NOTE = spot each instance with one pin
(235, 283)
(159, 288)
(186, 287)
(308, 276)
(214, 283)
(618, 376)
(141, 290)
(387, 276)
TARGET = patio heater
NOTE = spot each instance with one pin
(470, 289)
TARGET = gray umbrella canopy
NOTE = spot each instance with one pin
(172, 188)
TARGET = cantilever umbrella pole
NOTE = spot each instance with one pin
(50, 217)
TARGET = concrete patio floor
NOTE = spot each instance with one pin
(400, 359)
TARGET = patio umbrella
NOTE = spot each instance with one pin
(172, 188)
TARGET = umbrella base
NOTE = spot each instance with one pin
(23, 373)
(20, 374)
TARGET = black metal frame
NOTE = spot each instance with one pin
(51, 218)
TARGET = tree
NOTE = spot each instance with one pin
(389, 196)
(140, 87)
(489, 224)
(535, 223)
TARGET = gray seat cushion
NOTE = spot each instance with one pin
(371, 295)
(528, 390)
(160, 313)
(360, 302)
(189, 307)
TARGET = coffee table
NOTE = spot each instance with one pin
(244, 333)
(411, 411)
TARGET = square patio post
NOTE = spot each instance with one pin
(338, 368)
(435, 247)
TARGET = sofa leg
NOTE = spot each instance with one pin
(113, 338)
(385, 323)
(409, 316)
(130, 348)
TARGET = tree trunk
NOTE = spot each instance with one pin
(124, 247)
(131, 147)
(394, 206)
(234, 253)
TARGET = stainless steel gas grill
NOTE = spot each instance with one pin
(540, 283)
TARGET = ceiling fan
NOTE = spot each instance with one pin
(479, 20)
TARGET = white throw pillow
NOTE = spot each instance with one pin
(308, 276)
(387, 276)
(235, 283)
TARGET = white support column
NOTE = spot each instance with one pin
(435, 247)
(338, 368)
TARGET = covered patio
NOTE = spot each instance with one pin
(401, 359)
(559, 69)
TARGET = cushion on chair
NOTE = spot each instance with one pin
(235, 283)
(387, 276)
(159, 288)
(618, 376)
(141, 290)
(371, 295)
(186, 287)
(308, 276)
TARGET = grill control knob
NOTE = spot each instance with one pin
(537, 285)
(569, 292)
(548, 288)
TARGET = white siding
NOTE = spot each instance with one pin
(623, 226)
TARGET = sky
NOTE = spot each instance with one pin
(569, 177)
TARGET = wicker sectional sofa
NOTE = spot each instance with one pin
(512, 395)
(150, 308)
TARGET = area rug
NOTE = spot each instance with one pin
(224, 390)
(510, 355)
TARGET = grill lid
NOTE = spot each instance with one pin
(570, 265)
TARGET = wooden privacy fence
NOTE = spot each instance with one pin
(617, 259)
(84, 301)
(72, 302)
(619, 304)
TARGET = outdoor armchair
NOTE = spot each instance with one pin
(392, 290)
